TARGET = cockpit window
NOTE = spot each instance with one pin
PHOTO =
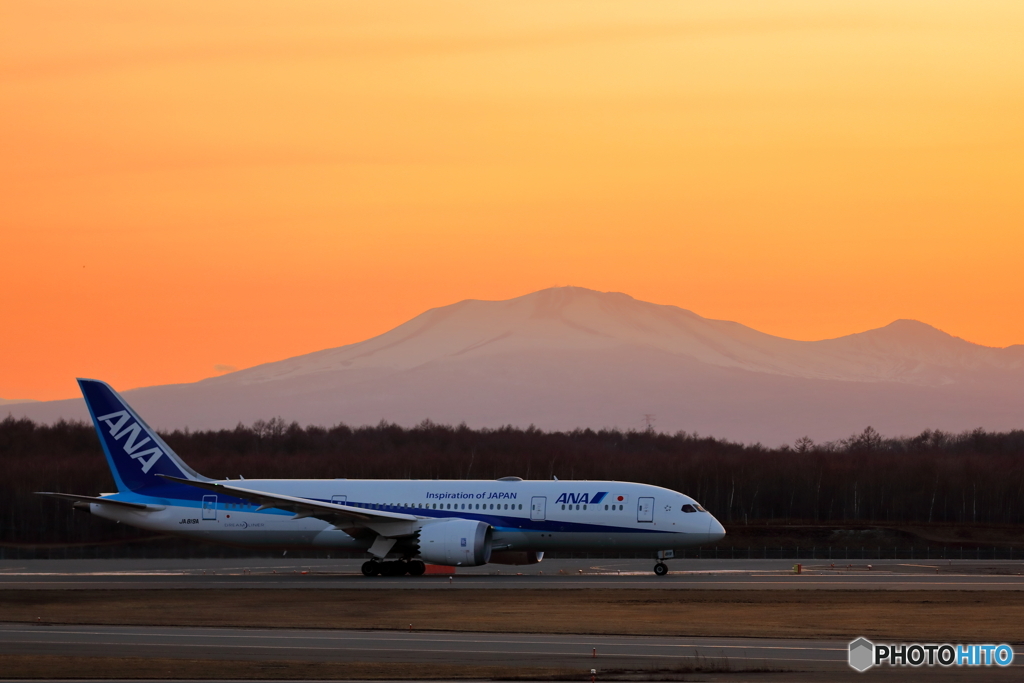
(689, 508)
(699, 508)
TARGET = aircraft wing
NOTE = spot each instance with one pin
(340, 515)
(96, 499)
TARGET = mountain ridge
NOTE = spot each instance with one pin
(569, 357)
(594, 319)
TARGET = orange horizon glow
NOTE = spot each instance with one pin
(186, 186)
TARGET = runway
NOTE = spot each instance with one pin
(514, 650)
(555, 574)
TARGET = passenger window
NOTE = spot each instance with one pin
(563, 506)
(584, 507)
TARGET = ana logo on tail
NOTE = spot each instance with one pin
(131, 445)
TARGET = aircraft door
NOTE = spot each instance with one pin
(210, 507)
(538, 508)
(645, 510)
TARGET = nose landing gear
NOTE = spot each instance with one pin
(661, 569)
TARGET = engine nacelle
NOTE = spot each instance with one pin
(517, 557)
(457, 542)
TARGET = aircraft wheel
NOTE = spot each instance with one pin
(417, 568)
(661, 569)
(394, 568)
(371, 568)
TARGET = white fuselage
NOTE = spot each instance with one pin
(525, 515)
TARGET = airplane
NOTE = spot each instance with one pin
(401, 524)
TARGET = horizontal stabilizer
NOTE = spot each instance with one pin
(101, 501)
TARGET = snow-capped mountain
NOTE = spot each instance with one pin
(570, 357)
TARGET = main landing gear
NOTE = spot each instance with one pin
(394, 568)
(661, 569)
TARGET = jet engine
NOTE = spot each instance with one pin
(457, 542)
(517, 557)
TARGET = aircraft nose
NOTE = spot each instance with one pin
(716, 532)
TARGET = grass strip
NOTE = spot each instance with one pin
(923, 616)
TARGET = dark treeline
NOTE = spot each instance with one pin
(968, 478)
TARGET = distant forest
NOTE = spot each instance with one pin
(967, 478)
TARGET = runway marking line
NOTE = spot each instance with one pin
(375, 635)
(581, 655)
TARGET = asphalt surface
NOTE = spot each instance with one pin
(593, 573)
(504, 649)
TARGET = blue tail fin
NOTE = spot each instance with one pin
(134, 451)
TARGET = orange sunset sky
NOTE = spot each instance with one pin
(190, 186)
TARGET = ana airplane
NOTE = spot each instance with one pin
(455, 523)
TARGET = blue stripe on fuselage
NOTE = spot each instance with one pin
(182, 495)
